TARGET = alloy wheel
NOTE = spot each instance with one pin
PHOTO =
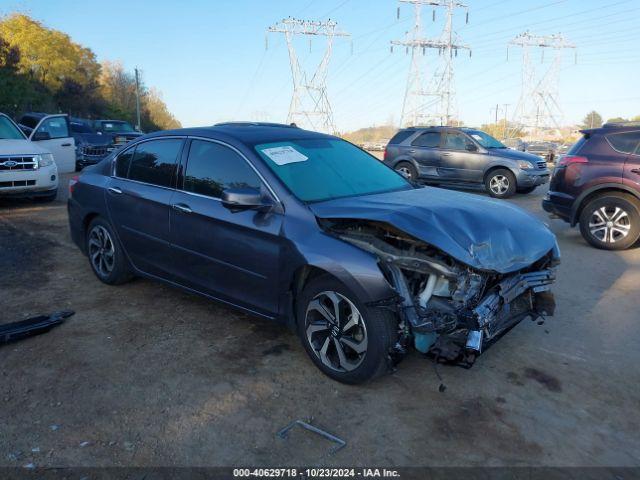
(405, 171)
(499, 184)
(336, 331)
(609, 224)
(101, 251)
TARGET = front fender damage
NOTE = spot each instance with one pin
(447, 309)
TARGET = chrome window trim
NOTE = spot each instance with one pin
(635, 152)
(129, 147)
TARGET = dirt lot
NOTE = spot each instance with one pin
(149, 375)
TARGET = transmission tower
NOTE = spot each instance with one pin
(309, 105)
(432, 102)
(539, 107)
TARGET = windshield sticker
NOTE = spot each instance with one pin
(476, 136)
(284, 155)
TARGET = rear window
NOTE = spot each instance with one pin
(626, 142)
(154, 162)
(578, 145)
(428, 139)
(400, 137)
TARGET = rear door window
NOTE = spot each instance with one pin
(626, 142)
(427, 139)
(400, 137)
(213, 168)
(154, 162)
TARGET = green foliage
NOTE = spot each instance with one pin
(617, 120)
(502, 130)
(592, 120)
(42, 69)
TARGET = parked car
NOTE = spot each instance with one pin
(26, 168)
(545, 150)
(515, 144)
(52, 132)
(119, 131)
(308, 229)
(90, 146)
(597, 185)
(464, 156)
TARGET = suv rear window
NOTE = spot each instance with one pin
(578, 145)
(400, 137)
(626, 142)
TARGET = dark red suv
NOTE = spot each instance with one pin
(597, 184)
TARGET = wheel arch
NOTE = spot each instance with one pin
(593, 192)
(495, 167)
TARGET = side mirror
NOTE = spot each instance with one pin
(471, 147)
(39, 136)
(239, 199)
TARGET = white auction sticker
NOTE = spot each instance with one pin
(284, 155)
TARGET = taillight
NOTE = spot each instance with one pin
(566, 160)
(72, 183)
(384, 155)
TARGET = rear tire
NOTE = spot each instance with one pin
(500, 183)
(106, 256)
(525, 190)
(611, 221)
(350, 347)
(408, 170)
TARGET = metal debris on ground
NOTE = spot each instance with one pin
(307, 426)
(11, 332)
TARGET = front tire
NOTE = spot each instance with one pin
(611, 221)
(106, 257)
(347, 340)
(500, 183)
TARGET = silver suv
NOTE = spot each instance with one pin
(464, 156)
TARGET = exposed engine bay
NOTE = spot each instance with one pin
(446, 308)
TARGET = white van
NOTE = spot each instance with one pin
(26, 168)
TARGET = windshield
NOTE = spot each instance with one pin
(485, 140)
(318, 169)
(8, 130)
(116, 127)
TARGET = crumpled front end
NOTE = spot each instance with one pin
(446, 308)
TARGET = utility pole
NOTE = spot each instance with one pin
(539, 103)
(138, 126)
(309, 105)
(505, 105)
(433, 102)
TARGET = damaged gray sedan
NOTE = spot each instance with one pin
(309, 230)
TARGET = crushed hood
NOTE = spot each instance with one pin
(483, 233)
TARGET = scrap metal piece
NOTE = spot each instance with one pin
(11, 332)
(307, 426)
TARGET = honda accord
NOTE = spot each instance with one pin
(310, 230)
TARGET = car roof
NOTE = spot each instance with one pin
(615, 127)
(251, 133)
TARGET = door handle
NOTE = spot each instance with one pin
(65, 145)
(412, 150)
(115, 190)
(445, 154)
(635, 170)
(181, 207)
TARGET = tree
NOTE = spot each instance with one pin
(617, 120)
(592, 120)
(636, 118)
(157, 111)
(502, 129)
(48, 56)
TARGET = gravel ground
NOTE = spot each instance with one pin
(147, 375)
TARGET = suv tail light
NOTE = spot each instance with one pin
(384, 155)
(567, 160)
(72, 183)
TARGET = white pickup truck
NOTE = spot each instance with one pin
(26, 168)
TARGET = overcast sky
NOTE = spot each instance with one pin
(208, 57)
